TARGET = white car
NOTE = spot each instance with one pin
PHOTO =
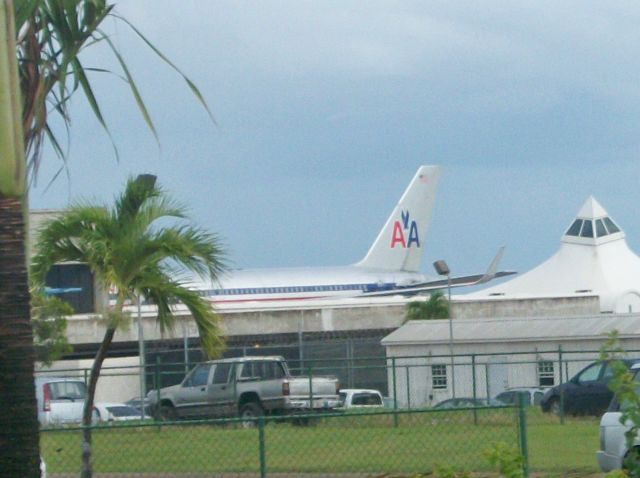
(613, 445)
(105, 412)
(532, 395)
(360, 398)
(60, 400)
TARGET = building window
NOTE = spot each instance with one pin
(439, 377)
(546, 375)
(72, 283)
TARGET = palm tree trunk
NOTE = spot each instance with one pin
(19, 447)
(88, 404)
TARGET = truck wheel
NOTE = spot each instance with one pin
(168, 413)
(248, 412)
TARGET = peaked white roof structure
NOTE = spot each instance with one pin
(593, 259)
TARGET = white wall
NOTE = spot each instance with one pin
(502, 365)
(119, 380)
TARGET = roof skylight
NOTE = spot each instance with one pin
(586, 227)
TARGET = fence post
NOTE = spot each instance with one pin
(262, 448)
(522, 434)
(158, 385)
(475, 393)
(561, 387)
(486, 381)
(395, 392)
(310, 389)
(406, 368)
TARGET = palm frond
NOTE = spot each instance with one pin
(194, 89)
(60, 239)
(51, 35)
(166, 293)
(194, 249)
(135, 195)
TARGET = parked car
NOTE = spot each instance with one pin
(135, 402)
(587, 393)
(463, 402)
(532, 395)
(115, 412)
(60, 400)
(613, 445)
(245, 386)
(360, 398)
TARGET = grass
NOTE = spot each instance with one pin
(367, 443)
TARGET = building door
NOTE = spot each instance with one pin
(497, 376)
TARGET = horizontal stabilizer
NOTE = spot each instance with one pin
(460, 281)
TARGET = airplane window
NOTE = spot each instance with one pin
(587, 229)
(574, 230)
(600, 229)
(611, 225)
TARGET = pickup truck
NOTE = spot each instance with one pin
(247, 387)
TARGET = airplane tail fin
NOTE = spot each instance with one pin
(400, 242)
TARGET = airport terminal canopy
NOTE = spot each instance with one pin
(593, 259)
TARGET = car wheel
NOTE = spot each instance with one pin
(631, 462)
(168, 413)
(554, 406)
(249, 412)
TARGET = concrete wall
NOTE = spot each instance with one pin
(325, 316)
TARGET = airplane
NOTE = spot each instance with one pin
(390, 267)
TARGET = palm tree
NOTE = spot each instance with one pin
(437, 307)
(40, 70)
(130, 249)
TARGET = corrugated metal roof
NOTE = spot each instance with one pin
(419, 332)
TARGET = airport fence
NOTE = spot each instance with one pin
(371, 443)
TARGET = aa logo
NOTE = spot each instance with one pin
(405, 232)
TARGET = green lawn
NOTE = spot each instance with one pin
(340, 444)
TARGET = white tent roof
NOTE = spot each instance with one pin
(593, 258)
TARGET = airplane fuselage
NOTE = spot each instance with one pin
(305, 283)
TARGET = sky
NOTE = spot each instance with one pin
(324, 110)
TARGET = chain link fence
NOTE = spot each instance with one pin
(406, 382)
(403, 442)
(414, 432)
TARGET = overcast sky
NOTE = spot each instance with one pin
(324, 111)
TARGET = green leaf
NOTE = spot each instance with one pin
(194, 89)
(134, 89)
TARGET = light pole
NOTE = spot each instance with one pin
(150, 181)
(143, 384)
(442, 269)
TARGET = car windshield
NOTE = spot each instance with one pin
(123, 411)
(342, 397)
(366, 399)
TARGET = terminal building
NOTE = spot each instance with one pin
(591, 286)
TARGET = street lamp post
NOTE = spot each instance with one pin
(442, 269)
(147, 180)
(143, 385)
